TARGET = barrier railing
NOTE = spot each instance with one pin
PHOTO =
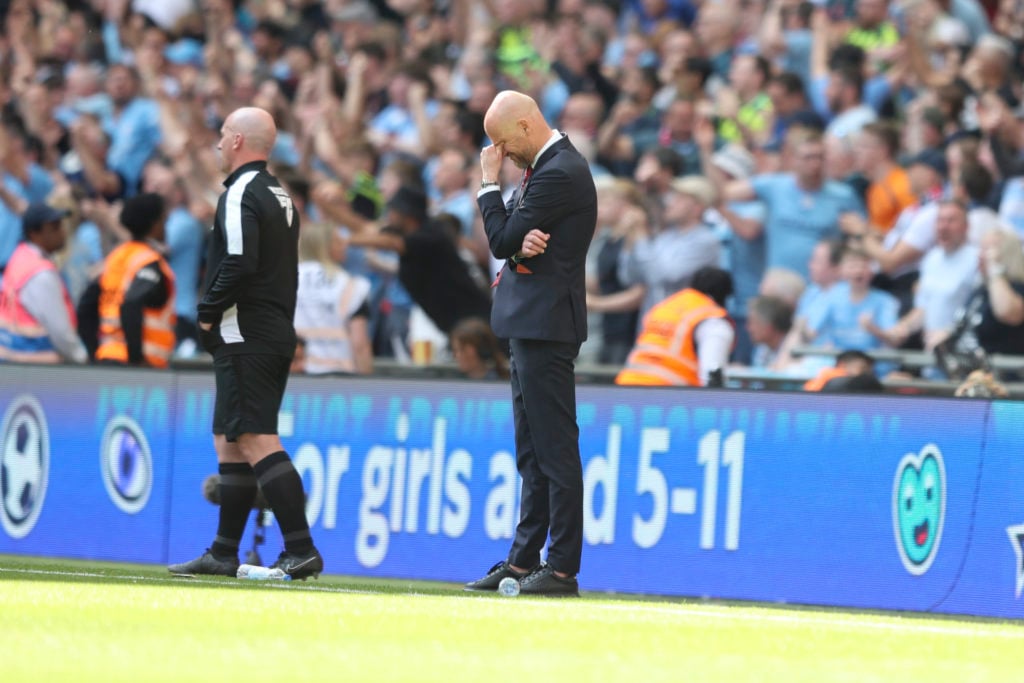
(914, 359)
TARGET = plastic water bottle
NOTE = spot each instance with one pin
(257, 573)
(508, 587)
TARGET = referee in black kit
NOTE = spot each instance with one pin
(246, 321)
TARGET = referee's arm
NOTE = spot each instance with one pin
(242, 237)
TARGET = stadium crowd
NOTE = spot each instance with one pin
(856, 166)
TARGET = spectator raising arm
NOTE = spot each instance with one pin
(611, 141)
(378, 239)
(727, 190)
(889, 260)
(104, 215)
(1007, 303)
(771, 39)
(625, 301)
(101, 179)
(13, 202)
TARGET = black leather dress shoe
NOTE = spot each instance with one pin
(494, 576)
(544, 581)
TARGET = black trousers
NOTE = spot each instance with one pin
(547, 454)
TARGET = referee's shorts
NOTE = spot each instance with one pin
(249, 392)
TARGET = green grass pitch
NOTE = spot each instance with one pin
(83, 622)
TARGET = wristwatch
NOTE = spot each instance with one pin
(995, 271)
(484, 184)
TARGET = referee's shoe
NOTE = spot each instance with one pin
(300, 565)
(207, 563)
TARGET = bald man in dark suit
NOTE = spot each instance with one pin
(543, 234)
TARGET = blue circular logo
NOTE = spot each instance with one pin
(126, 464)
(24, 465)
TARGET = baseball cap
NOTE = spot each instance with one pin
(734, 160)
(947, 30)
(698, 187)
(185, 51)
(37, 214)
(933, 158)
(358, 11)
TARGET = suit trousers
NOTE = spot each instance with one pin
(547, 454)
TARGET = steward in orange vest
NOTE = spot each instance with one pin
(818, 382)
(670, 350)
(854, 371)
(37, 319)
(127, 314)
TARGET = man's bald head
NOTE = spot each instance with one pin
(256, 126)
(508, 108)
(514, 122)
(248, 134)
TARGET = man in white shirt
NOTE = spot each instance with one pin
(667, 261)
(845, 92)
(949, 272)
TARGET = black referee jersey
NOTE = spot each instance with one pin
(252, 270)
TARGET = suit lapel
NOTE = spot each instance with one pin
(549, 153)
(563, 143)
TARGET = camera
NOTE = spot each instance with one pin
(211, 492)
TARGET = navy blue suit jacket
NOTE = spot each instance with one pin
(544, 297)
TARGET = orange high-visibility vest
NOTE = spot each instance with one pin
(120, 269)
(818, 382)
(22, 338)
(665, 353)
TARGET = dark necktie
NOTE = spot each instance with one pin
(522, 185)
(526, 178)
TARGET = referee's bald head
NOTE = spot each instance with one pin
(248, 134)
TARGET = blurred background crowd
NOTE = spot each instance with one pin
(855, 165)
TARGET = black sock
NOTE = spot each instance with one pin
(237, 492)
(282, 486)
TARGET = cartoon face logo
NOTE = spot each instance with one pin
(24, 465)
(126, 464)
(919, 507)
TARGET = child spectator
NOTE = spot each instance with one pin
(852, 307)
(476, 350)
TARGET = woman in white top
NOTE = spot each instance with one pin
(331, 311)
